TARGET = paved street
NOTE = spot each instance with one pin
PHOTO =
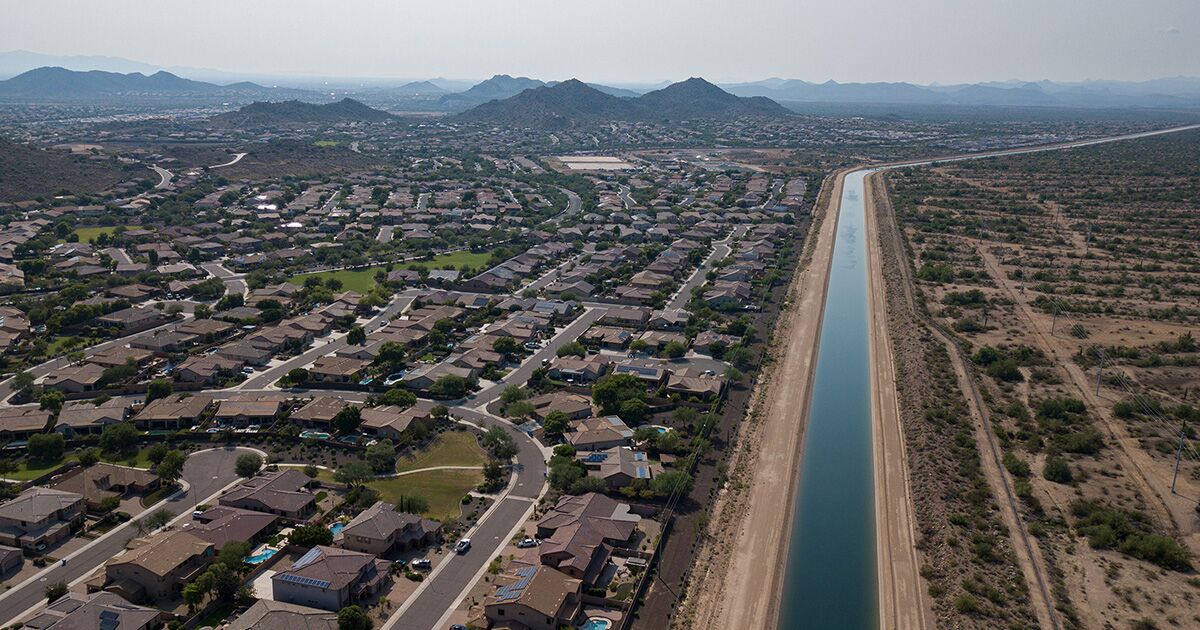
(206, 472)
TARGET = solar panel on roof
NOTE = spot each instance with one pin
(307, 558)
(305, 581)
(514, 590)
(642, 473)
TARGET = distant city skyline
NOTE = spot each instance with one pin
(629, 42)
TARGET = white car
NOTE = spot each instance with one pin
(526, 543)
(462, 546)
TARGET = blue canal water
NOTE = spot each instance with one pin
(831, 575)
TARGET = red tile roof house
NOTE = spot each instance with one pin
(330, 578)
(283, 493)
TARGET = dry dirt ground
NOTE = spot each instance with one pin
(1017, 230)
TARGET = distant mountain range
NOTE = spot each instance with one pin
(60, 84)
(503, 86)
(1177, 92)
(573, 103)
(297, 112)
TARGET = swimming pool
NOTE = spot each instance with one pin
(262, 556)
(337, 528)
(596, 623)
(320, 435)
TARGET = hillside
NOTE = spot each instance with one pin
(499, 87)
(60, 84)
(27, 173)
(555, 107)
(299, 112)
(573, 102)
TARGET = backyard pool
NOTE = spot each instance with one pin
(262, 555)
(337, 528)
(320, 435)
(596, 623)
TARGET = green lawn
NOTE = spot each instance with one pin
(67, 343)
(25, 473)
(325, 143)
(142, 460)
(358, 280)
(86, 234)
(444, 489)
(452, 448)
(475, 260)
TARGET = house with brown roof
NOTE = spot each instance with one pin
(40, 516)
(536, 598)
(173, 412)
(23, 421)
(156, 568)
(334, 369)
(282, 493)
(206, 369)
(392, 421)
(102, 481)
(318, 412)
(619, 466)
(575, 406)
(102, 611)
(585, 370)
(597, 434)
(85, 417)
(243, 412)
(220, 524)
(331, 578)
(267, 614)
(75, 379)
(381, 530)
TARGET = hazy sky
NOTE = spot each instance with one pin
(630, 40)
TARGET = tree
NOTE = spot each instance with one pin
(348, 419)
(52, 400)
(194, 592)
(512, 394)
(170, 469)
(740, 356)
(89, 457)
(357, 336)
(312, 471)
(202, 311)
(233, 554)
(381, 456)
(674, 349)
(46, 447)
(311, 536)
(398, 396)
(156, 452)
(506, 346)
(586, 484)
(573, 348)
(614, 389)
(450, 386)
(295, 376)
(247, 464)
(333, 284)
(493, 473)
(634, 411)
(22, 381)
(1057, 470)
(668, 483)
(158, 389)
(412, 504)
(520, 409)
(353, 618)
(353, 473)
(500, 443)
(55, 592)
(119, 438)
(564, 472)
(555, 424)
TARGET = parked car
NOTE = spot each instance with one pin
(526, 543)
(421, 563)
(462, 546)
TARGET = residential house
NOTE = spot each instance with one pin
(173, 412)
(268, 614)
(40, 517)
(318, 412)
(282, 493)
(85, 417)
(23, 421)
(334, 369)
(536, 598)
(575, 406)
(243, 412)
(381, 530)
(597, 434)
(330, 578)
(102, 481)
(101, 611)
(619, 466)
(157, 568)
